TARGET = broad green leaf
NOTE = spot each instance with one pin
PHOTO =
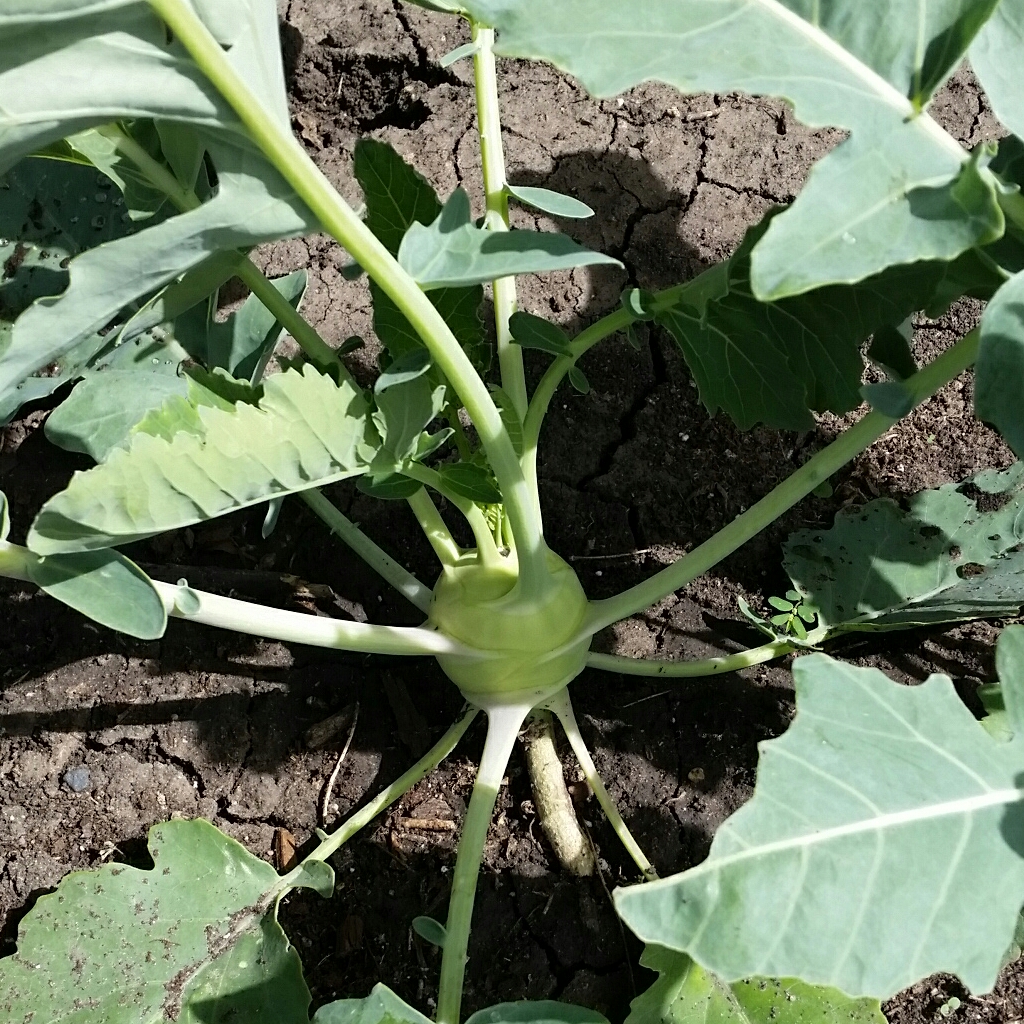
(244, 342)
(124, 69)
(774, 362)
(890, 349)
(999, 380)
(556, 203)
(107, 587)
(50, 212)
(404, 369)
(996, 56)
(942, 560)
(381, 1006)
(394, 487)
(142, 198)
(544, 1011)
(5, 517)
(687, 994)
(398, 196)
(306, 432)
(453, 252)
(892, 398)
(101, 411)
(892, 193)
(882, 844)
(471, 482)
(194, 940)
(253, 204)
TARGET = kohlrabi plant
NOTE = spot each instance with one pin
(885, 838)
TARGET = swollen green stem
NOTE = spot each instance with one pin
(341, 221)
(322, 355)
(397, 575)
(503, 725)
(430, 760)
(492, 158)
(814, 472)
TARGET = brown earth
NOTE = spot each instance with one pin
(209, 723)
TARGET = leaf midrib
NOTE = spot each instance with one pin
(891, 820)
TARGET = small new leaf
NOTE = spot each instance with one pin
(453, 252)
(555, 203)
(529, 331)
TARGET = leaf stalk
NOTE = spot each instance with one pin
(492, 159)
(815, 471)
(503, 725)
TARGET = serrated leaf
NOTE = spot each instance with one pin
(996, 55)
(529, 331)
(943, 560)
(306, 432)
(774, 362)
(194, 939)
(882, 844)
(452, 252)
(555, 203)
(687, 994)
(999, 372)
(381, 1006)
(869, 68)
(546, 1011)
(471, 482)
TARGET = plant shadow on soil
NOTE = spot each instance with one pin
(209, 723)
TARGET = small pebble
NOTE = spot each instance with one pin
(77, 779)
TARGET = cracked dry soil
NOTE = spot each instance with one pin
(211, 724)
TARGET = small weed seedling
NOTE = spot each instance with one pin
(884, 838)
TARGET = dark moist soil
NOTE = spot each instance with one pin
(635, 473)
